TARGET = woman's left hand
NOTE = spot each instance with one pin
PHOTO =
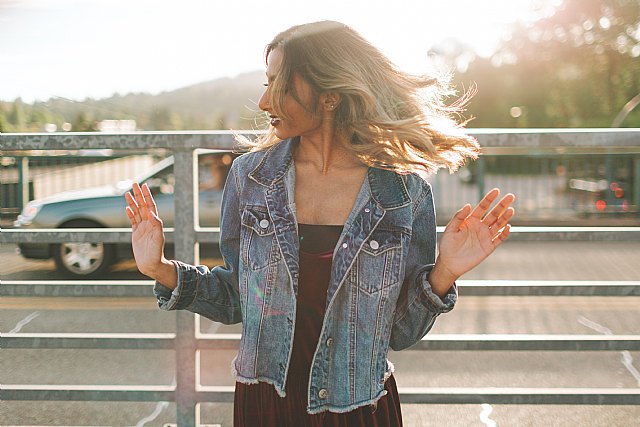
(471, 236)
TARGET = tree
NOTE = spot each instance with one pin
(575, 67)
(83, 123)
(17, 116)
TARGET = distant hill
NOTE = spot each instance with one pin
(217, 104)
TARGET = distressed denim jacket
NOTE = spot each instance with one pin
(378, 295)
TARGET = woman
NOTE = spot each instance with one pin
(328, 234)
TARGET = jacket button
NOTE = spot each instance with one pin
(322, 394)
(329, 342)
(374, 244)
(264, 223)
(344, 245)
(367, 210)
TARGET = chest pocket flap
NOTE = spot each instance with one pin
(258, 238)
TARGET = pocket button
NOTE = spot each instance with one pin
(264, 223)
(374, 244)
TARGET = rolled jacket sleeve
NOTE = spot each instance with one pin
(213, 293)
(418, 305)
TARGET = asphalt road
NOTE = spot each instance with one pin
(530, 315)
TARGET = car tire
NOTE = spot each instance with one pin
(83, 260)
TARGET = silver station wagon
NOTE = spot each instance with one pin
(104, 207)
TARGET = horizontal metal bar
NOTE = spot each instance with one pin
(522, 396)
(442, 395)
(112, 341)
(144, 288)
(548, 288)
(444, 342)
(573, 234)
(217, 341)
(109, 393)
(103, 235)
(482, 342)
(455, 395)
(528, 342)
(212, 234)
(77, 288)
(214, 393)
(179, 140)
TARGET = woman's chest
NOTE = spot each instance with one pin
(326, 199)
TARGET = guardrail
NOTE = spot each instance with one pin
(559, 175)
(187, 392)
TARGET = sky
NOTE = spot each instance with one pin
(94, 48)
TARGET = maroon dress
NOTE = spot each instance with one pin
(258, 405)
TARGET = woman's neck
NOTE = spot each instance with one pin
(325, 152)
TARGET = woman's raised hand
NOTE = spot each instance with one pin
(471, 236)
(147, 238)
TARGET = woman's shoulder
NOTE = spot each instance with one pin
(416, 183)
(246, 162)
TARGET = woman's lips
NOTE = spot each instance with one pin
(275, 121)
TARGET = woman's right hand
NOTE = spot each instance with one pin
(147, 236)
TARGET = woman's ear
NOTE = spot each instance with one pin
(329, 100)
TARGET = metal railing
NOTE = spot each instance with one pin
(188, 341)
(557, 179)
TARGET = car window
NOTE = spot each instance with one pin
(162, 182)
(212, 174)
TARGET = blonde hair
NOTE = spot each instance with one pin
(394, 120)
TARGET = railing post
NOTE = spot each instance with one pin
(23, 182)
(636, 184)
(185, 250)
(610, 176)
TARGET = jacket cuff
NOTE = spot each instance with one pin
(436, 303)
(183, 294)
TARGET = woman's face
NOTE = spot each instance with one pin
(301, 121)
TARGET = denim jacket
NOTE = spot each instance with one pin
(378, 295)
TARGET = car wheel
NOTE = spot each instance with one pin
(83, 260)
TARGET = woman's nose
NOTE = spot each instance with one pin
(263, 104)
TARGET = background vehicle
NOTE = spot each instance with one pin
(105, 207)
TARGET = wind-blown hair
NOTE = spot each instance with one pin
(393, 120)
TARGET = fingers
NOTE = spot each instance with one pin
(151, 204)
(502, 236)
(132, 210)
(459, 218)
(499, 210)
(485, 203)
(140, 200)
(502, 221)
(141, 205)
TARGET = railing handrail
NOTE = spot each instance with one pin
(435, 342)
(561, 138)
(484, 288)
(211, 234)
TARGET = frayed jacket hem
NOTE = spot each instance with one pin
(251, 381)
(343, 409)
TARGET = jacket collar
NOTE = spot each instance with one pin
(387, 187)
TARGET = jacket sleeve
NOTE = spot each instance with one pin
(418, 306)
(214, 293)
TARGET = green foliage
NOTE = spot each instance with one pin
(576, 68)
